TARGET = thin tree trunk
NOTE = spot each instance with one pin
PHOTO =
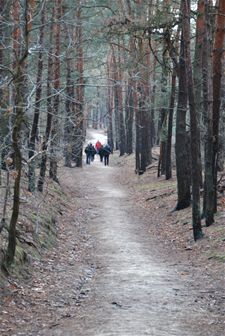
(79, 90)
(68, 126)
(170, 126)
(137, 132)
(148, 117)
(182, 150)
(120, 101)
(7, 188)
(195, 134)
(43, 165)
(69, 122)
(55, 122)
(110, 102)
(137, 142)
(197, 70)
(162, 124)
(4, 88)
(143, 105)
(116, 100)
(208, 205)
(153, 96)
(33, 134)
(129, 116)
(218, 53)
(17, 124)
(143, 132)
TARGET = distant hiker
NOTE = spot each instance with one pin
(98, 145)
(88, 151)
(93, 152)
(106, 152)
(101, 153)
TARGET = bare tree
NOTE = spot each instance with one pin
(56, 101)
(46, 139)
(21, 38)
(34, 129)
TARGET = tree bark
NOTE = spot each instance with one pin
(17, 124)
(118, 100)
(4, 89)
(69, 139)
(55, 123)
(195, 134)
(182, 150)
(129, 116)
(217, 74)
(79, 132)
(119, 88)
(45, 144)
(197, 70)
(208, 204)
(34, 130)
(170, 126)
(110, 102)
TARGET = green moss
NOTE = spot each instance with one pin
(59, 191)
(20, 255)
(33, 217)
(46, 237)
(49, 242)
(219, 257)
(156, 186)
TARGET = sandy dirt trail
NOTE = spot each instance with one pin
(136, 290)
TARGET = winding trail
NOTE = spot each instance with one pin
(135, 289)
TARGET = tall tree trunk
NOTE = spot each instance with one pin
(115, 100)
(182, 150)
(19, 110)
(4, 88)
(208, 204)
(170, 126)
(119, 100)
(68, 126)
(55, 125)
(197, 69)
(137, 132)
(152, 108)
(129, 116)
(195, 134)
(138, 140)
(45, 144)
(69, 117)
(142, 131)
(148, 116)
(110, 102)
(79, 90)
(218, 53)
(119, 88)
(162, 124)
(143, 105)
(34, 130)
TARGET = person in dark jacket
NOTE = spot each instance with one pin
(88, 151)
(101, 153)
(93, 152)
(106, 152)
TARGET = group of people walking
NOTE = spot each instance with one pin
(102, 150)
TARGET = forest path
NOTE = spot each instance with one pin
(135, 289)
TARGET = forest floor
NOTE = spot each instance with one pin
(123, 262)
